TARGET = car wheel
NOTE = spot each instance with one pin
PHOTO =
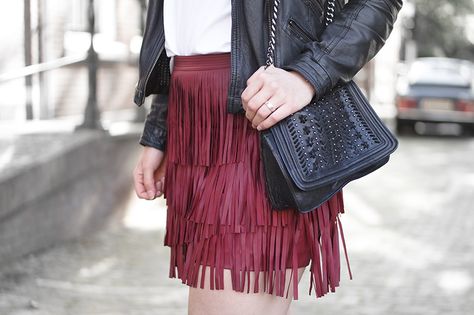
(468, 130)
(404, 127)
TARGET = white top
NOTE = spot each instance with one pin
(196, 27)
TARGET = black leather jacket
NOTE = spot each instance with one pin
(323, 55)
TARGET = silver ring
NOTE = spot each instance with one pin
(270, 106)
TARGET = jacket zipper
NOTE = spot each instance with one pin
(299, 31)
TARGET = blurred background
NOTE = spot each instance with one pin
(74, 238)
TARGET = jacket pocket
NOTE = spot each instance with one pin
(299, 32)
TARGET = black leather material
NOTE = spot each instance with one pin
(313, 153)
(322, 56)
(155, 130)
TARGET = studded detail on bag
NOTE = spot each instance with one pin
(326, 133)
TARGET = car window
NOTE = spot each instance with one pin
(434, 71)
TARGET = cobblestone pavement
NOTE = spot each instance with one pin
(408, 229)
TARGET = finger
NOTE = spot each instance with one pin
(161, 171)
(253, 86)
(149, 182)
(281, 112)
(263, 112)
(249, 92)
(159, 188)
(256, 102)
(160, 176)
(138, 184)
(255, 75)
(163, 184)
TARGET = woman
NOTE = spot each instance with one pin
(204, 61)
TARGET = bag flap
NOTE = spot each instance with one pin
(331, 138)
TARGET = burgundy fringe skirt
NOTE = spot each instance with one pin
(218, 212)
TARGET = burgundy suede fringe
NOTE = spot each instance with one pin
(218, 214)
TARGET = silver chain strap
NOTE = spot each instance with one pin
(331, 4)
(271, 42)
(330, 11)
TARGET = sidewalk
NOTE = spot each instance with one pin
(408, 230)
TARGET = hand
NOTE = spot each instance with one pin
(149, 174)
(288, 91)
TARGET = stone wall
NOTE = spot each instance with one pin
(62, 189)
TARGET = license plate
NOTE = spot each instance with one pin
(436, 104)
(438, 128)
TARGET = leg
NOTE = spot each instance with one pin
(228, 302)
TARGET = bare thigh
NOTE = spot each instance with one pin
(228, 302)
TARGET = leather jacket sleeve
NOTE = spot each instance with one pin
(155, 129)
(355, 36)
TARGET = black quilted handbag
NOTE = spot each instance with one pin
(311, 154)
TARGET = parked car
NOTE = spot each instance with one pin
(436, 91)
